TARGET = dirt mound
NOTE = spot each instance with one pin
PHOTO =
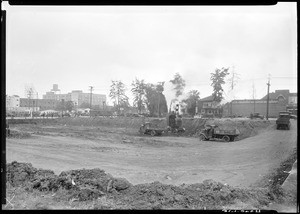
(192, 126)
(206, 195)
(134, 122)
(90, 184)
(19, 173)
(18, 134)
(83, 184)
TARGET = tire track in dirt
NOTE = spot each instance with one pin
(184, 160)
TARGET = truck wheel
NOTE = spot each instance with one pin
(231, 138)
(202, 138)
(153, 133)
(226, 138)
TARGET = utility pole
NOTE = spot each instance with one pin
(253, 95)
(37, 99)
(268, 97)
(29, 94)
(91, 95)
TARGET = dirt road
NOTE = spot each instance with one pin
(170, 160)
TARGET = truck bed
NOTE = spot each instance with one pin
(227, 132)
(282, 121)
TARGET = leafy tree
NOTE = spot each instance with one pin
(65, 105)
(159, 90)
(84, 105)
(69, 105)
(61, 106)
(138, 91)
(155, 100)
(217, 79)
(191, 101)
(179, 84)
(117, 93)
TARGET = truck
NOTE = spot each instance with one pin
(213, 132)
(150, 129)
(283, 120)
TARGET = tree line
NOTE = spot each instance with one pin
(150, 96)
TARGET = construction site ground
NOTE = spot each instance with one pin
(116, 147)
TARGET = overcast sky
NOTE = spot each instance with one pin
(77, 47)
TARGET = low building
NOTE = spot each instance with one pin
(280, 100)
(12, 102)
(38, 104)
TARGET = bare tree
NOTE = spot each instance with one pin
(117, 93)
(233, 80)
(138, 91)
(30, 92)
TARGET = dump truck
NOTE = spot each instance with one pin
(175, 124)
(213, 132)
(150, 129)
(283, 120)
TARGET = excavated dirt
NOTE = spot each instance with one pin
(144, 172)
(86, 127)
(84, 185)
(18, 134)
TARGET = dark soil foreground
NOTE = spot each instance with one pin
(95, 189)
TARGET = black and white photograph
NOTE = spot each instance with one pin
(157, 107)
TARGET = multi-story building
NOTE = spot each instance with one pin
(207, 106)
(77, 97)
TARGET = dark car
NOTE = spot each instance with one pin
(8, 114)
(7, 129)
(256, 115)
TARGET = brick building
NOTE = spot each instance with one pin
(280, 100)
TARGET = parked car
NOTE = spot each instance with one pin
(256, 115)
(198, 116)
(8, 114)
(7, 129)
(151, 129)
